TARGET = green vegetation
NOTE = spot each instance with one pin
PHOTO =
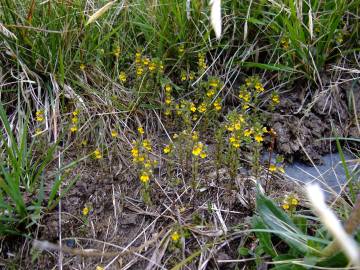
(145, 84)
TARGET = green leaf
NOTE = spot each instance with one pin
(277, 220)
(264, 237)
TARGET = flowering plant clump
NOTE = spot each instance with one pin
(290, 202)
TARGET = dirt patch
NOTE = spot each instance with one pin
(301, 128)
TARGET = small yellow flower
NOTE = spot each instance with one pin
(175, 236)
(85, 211)
(167, 112)
(135, 152)
(181, 49)
(275, 98)
(97, 154)
(146, 61)
(147, 145)
(272, 168)
(258, 138)
(217, 105)
(75, 113)
(99, 267)
(202, 108)
(122, 76)
(139, 71)
(259, 87)
(168, 88)
(192, 107)
(167, 149)
(168, 100)
(195, 136)
(152, 67)
(203, 154)
(210, 92)
(294, 202)
(114, 133)
(214, 83)
(141, 130)
(191, 75)
(73, 129)
(248, 132)
(197, 149)
(144, 177)
(183, 76)
(40, 116)
(285, 206)
(74, 120)
(82, 67)
(117, 52)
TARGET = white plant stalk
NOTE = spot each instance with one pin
(333, 224)
(215, 17)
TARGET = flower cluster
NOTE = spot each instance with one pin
(141, 157)
(278, 165)
(201, 62)
(74, 121)
(168, 99)
(290, 202)
(144, 63)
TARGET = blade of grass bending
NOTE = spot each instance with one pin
(346, 169)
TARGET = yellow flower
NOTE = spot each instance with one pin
(168, 88)
(144, 177)
(97, 154)
(175, 236)
(285, 206)
(191, 75)
(82, 67)
(167, 112)
(73, 129)
(141, 130)
(259, 87)
(40, 116)
(167, 149)
(294, 202)
(152, 66)
(139, 71)
(147, 164)
(85, 211)
(138, 58)
(74, 120)
(275, 98)
(192, 107)
(147, 145)
(217, 105)
(247, 132)
(146, 61)
(114, 133)
(258, 138)
(202, 108)
(210, 92)
(203, 155)
(183, 76)
(168, 100)
(135, 152)
(181, 49)
(75, 113)
(214, 83)
(122, 76)
(117, 51)
(272, 168)
(234, 142)
(99, 267)
(197, 149)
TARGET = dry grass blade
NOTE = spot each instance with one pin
(99, 13)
